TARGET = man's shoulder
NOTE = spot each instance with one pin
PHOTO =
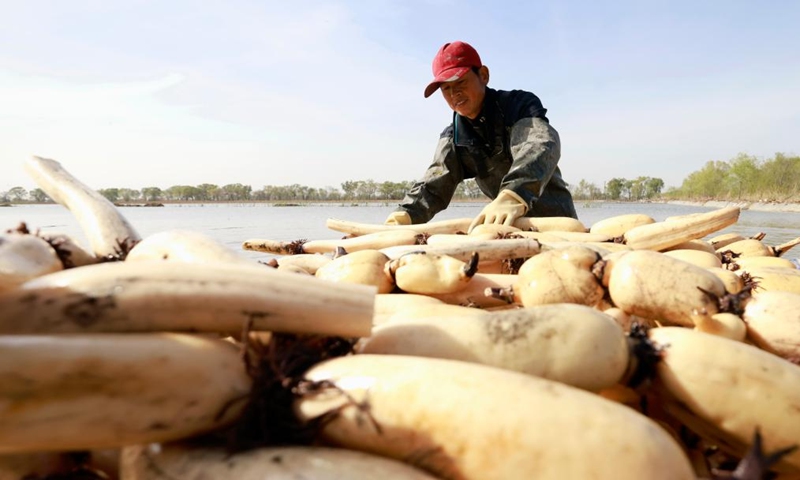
(518, 104)
(515, 94)
(447, 132)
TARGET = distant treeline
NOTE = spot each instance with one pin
(743, 178)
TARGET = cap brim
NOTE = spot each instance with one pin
(450, 75)
(432, 87)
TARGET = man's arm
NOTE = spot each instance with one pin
(536, 149)
(433, 193)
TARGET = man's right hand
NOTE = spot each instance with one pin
(398, 218)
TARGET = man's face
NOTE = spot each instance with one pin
(465, 95)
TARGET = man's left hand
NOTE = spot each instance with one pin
(504, 210)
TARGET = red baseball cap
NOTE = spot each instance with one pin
(451, 62)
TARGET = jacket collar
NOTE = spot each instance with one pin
(465, 131)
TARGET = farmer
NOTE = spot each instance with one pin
(501, 138)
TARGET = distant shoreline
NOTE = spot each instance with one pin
(754, 206)
(744, 205)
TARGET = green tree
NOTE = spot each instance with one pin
(152, 194)
(653, 187)
(294, 191)
(330, 193)
(780, 175)
(585, 190)
(580, 191)
(350, 187)
(261, 194)
(38, 196)
(461, 191)
(182, 193)
(208, 191)
(367, 189)
(267, 192)
(743, 176)
(17, 194)
(614, 188)
(129, 194)
(636, 188)
(471, 188)
(235, 192)
(392, 190)
(112, 194)
(708, 182)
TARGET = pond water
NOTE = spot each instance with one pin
(231, 224)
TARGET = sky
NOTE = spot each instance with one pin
(141, 93)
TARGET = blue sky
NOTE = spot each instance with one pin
(153, 93)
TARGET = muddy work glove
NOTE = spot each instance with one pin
(398, 218)
(507, 207)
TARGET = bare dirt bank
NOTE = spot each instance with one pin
(755, 206)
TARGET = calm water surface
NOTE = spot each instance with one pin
(231, 224)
